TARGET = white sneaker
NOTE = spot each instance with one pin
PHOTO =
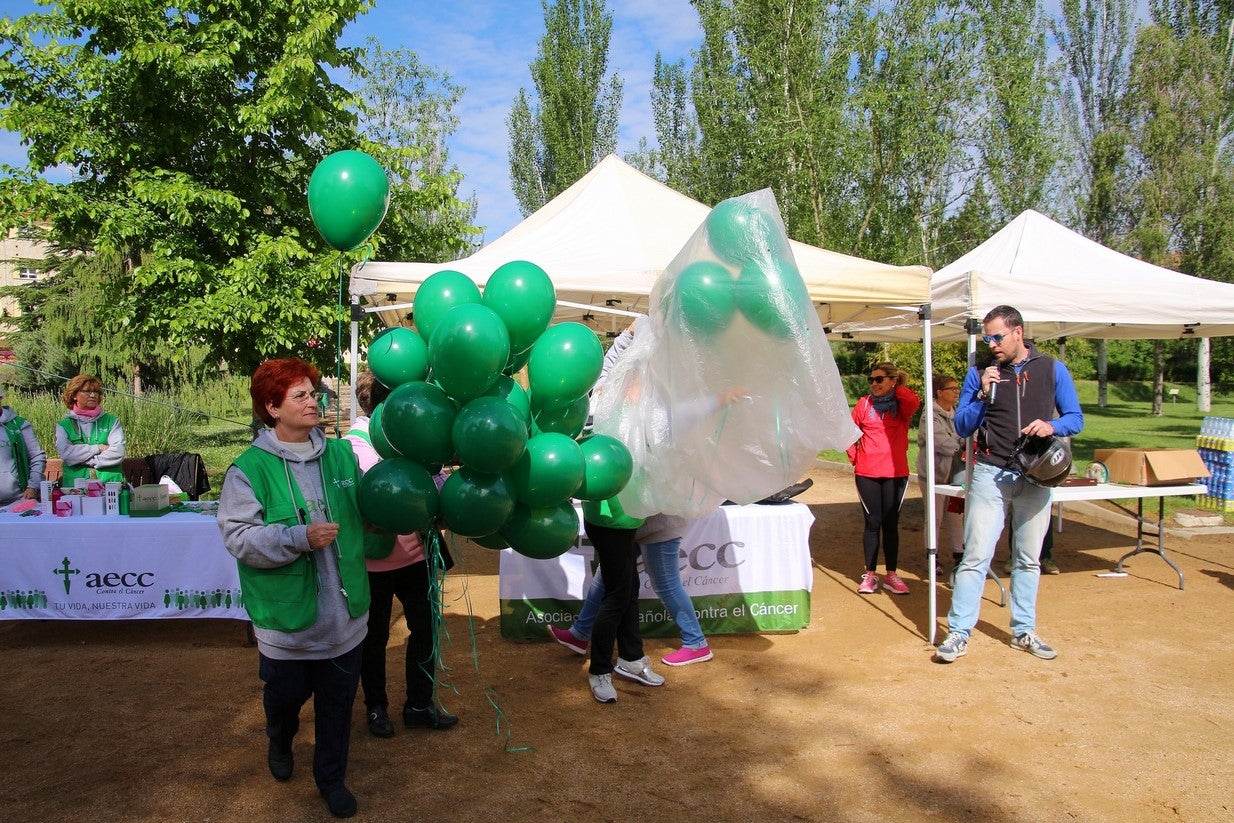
(602, 687)
(639, 670)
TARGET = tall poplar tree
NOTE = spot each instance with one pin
(572, 123)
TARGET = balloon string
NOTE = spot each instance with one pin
(338, 347)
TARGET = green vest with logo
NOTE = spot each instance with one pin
(285, 598)
(98, 436)
(21, 458)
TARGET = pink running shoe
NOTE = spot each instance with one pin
(568, 640)
(684, 656)
(894, 584)
(869, 583)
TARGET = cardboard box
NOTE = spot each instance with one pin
(1152, 467)
(148, 498)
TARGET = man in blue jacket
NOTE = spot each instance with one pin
(1018, 393)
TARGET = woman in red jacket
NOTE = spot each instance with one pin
(880, 463)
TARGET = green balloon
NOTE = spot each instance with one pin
(565, 363)
(568, 420)
(542, 533)
(514, 394)
(607, 467)
(417, 420)
(739, 233)
(378, 435)
(523, 296)
(772, 296)
(398, 355)
(705, 297)
(516, 362)
(468, 350)
(489, 435)
(348, 194)
(398, 495)
(549, 470)
(494, 542)
(440, 292)
(474, 504)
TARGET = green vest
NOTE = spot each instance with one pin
(285, 598)
(609, 513)
(98, 436)
(21, 459)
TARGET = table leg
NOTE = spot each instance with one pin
(1002, 590)
(1139, 539)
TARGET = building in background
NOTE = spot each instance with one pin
(21, 263)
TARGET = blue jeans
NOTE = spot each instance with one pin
(663, 564)
(995, 492)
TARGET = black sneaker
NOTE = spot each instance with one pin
(281, 762)
(379, 724)
(340, 801)
(429, 718)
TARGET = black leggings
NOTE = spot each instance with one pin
(881, 497)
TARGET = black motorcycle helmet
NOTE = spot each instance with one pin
(1044, 461)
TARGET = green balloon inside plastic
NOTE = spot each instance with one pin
(468, 350)
(440, 292)
(705, 296)
(474, 504)
(523, 296)
(378, 435)
(398, 355)
(489, 435)
(550, 470)
(773, 297)
(398, 495)
(493, 542)
(348, 194)
(565, 363)
(568, 420)
(542, 533)
(514, 394)
(739, 232)
(607, 467)
(417, 419)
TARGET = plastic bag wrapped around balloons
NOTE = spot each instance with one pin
(731, 315)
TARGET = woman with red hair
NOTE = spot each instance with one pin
(289, 514)
(90, 441)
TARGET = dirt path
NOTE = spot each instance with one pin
(848, 720)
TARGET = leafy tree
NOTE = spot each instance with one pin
(574, 123)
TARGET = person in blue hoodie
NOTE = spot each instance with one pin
(1021, 391)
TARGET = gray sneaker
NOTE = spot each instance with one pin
(953, 646)
(602, 687)
(639, 670)
(1034, 645)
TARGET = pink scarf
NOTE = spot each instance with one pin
(87, 415)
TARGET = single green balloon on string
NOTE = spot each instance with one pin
(398, 495)
(489, 435)
(542, 533)
(506, 388)
(418, 419)
(348, 194)
(607, 467)
(440, 292)
(398, 355)
(474, 504)
(523, 296)
(704, 291)
(549, 470)
(568, 420)
(377, 434)
(772, 296)
(468, 350)
(565, 363)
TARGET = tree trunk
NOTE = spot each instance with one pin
(1158, 376)
(1203, 376)
(1103, 364)
(137, 380)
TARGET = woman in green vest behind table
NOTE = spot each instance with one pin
(90, 440)
(289, 514)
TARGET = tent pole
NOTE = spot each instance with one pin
(356, 314)
(931, 530)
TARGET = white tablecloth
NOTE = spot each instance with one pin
(92, 568)
(746, 568)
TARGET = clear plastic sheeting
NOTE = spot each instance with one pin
(730, 320)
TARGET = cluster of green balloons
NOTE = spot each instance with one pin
(348, 194)
(453, 401)
(756, 276)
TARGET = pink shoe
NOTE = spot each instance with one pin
(568, 640)
(869, 583)
(684, 656)
(894, 584)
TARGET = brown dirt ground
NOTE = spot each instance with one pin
(848, 720)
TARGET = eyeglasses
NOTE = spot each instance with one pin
(878, 379)
(95, 392)
(301, 396)
(994, 338)
(950, 388)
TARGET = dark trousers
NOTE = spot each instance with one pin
(332, 684)
(881, 498)
(410, 585)
(617, 620)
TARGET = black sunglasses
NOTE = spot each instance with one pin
(879, 379)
